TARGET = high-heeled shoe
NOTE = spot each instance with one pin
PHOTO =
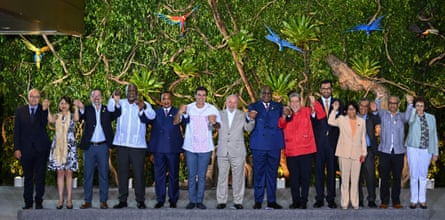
(59, 206)
(69, 206)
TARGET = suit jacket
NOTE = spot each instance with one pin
(349, 146)
(30, 134)
(325, 134)
(231, 139)
(165, 136)
(372, 121)
(89, 116)
(267, 135)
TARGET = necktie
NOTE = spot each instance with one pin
(267, 107)
(33, 111)
(326, 106)
(166, 112)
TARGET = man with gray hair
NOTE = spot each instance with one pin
(231, 151)
(31, 147)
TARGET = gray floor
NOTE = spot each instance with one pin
(11, 202)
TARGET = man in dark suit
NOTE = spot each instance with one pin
(326, 138)
(166, 144)
(96, 141)
(367, 171)
(31, 147)
(266, 142)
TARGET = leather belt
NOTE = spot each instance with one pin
(97, 143)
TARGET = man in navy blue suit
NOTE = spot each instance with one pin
(166, 145)
(266, 142)
(326, 138)
(31, 147)
(96, 141)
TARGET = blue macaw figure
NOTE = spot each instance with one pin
(374, 26)
(179, 20)
(280, 42)
(38, 52)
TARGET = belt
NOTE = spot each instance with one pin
(97, 143)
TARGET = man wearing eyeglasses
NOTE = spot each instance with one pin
(391, 149)
(31, 147)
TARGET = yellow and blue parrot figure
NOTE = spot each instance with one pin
(373, 26)
(272, 36)
(38, 52)
(177, 20)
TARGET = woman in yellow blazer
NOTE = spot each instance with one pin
(351, 151)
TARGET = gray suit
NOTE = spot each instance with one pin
(231, 152)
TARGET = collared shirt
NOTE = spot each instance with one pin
(368, 140)
(130, 130)
(98, 134)
(32, 109)
(230, 116)
(392, 130)
(198, 137)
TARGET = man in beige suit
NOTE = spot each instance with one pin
(231, 151)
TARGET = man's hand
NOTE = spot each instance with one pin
(79, 104)
(183, 109)
(286, 111)
(252, 114)
(18, 154)
(45, 104)
(117, 96)
(409, 99)
(141, 104)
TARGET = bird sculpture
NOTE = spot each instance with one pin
(38, 52)
(422, 33)
(178, 20)
(281, 42)
(368, 28)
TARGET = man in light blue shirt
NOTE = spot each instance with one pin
(131, 144)
(391, 149)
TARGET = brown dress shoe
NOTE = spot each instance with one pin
(86, 205)
(103, 205)
(384, 206)
(397, 206)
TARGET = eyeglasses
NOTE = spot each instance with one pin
(34, 96)
(420, 106)
(393, 103)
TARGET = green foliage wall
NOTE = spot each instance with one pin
(125, 41)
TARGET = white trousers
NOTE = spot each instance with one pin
(418, 162)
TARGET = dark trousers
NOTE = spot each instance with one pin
(325, 159)
(390, 163)
(34, 170)
(265, 172)
(300, 168)
(163, 163)
(134, 156)
(367, 176)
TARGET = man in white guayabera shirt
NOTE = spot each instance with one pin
(130, 142)
(201, 119)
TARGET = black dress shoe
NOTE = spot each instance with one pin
(318, 204)
(39, 206)
(238, 206)
(372, 205)
(257, 205)
(191, 205)
(199, 205)
(423, 206)
(221, 206)
(303, 206)
(27, 206)
(294, 205)
(274, 205)
(141, 205)
(121, 205)
(360, 204)
(159, 205)
(332, 205)
(412, 205)
(173, 205)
